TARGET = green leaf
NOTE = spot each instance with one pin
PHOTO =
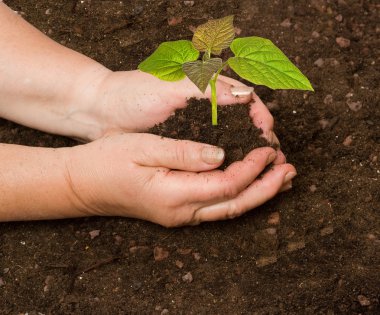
(215, 35)
(166, 62)
(201, 72)
(259, 61)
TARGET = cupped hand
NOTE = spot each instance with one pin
(134, 101)
(169, 182)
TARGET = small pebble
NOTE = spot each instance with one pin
(286, 23)
(293, 246)
(48, 11)
(363, 300)
(319, 62)
(48, 281)
(197, 256)
(354, 106)
(339, 18)
(172, 21)
(274, 218)
(349, 94)
(188, 3)
(265, 261)
(371, 236)
(160, 253)
(179, 264)
(343, 42)
(326, 231)
(165, 311)
(324, 123)
(94, 233)
(118, 239)
(313, 188)
(138, 249)
(348, 141)
(315, 34)
(333, 62)
(188, 278)
(237, 30)
(271, 231)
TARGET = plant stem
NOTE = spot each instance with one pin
(214, 105)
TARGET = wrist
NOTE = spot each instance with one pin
(85, 118)
(81, 184)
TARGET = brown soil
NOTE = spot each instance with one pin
(235, 132)
(314, 250)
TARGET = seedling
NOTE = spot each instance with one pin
(255, 59)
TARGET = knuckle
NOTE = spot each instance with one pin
(180, 154)
(230, 190)
(233, 210)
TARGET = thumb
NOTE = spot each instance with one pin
(229, 91)
(177, 154)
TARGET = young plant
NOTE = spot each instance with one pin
(256, 60)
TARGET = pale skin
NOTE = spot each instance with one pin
(122, 171)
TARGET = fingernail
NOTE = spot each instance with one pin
(271, 157)
(212, 155)
(289, 176)
(286, 186)
(241, 90)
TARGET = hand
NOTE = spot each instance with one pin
(134, 101)
(169, 182)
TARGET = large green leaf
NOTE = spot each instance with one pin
(215, 35)
(259, 61)
(201, 72)
(166, 62)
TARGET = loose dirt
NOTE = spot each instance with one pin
(313, 250)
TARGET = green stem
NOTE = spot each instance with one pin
(214, 104)
(214, 108)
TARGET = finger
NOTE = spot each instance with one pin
(287, 186)
(280, 159)
(177, 154)
(261, 116)
(255, 195)
(231, 94)
(226, 92)
(209, 187)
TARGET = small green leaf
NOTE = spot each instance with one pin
(166, 62)
(259, 61)
(201, 72)
(215, 35)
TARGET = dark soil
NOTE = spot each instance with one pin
(313, 250)
(235, 132)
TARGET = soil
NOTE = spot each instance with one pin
(235, 132)
(313, 250)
